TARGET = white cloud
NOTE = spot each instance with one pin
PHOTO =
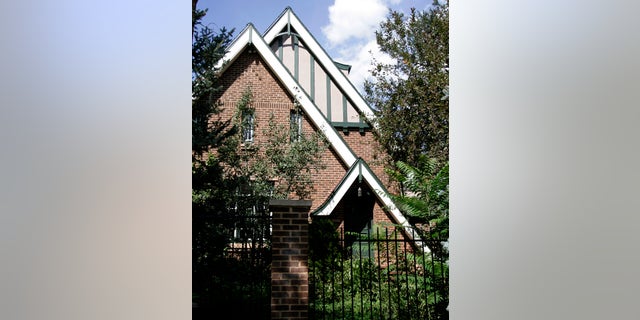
(355, 19)
(360, 60)
(351, 33)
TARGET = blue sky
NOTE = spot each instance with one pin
(345, 28)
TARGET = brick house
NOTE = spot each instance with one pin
(286, 64)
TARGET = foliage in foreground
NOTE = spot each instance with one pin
(276, 167)
(232, 181)
(426, 198)
(376, 281)
(210, 191)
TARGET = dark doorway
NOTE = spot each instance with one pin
(358, 216)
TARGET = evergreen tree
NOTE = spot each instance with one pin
(210, 197)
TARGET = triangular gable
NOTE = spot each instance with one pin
(361, 169)
(288, 17)
(250, 36)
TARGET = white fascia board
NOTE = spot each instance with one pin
(277, 26)
(234, 50)
(250, 35)
(381, 194)
(391, 207)
(339, 194)
(384, 197)
(341, 80)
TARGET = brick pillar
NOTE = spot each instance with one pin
(290, 264)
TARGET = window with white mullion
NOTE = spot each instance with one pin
(247, 127)
(295, 125)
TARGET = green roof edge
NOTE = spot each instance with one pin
(342, 66)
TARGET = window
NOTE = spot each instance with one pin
(296, 125)
(252, 217)
(247, 127)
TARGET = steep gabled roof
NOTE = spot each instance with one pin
(288, 17)
(249, 36)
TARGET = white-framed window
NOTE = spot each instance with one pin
(295, 119)
(247, 126)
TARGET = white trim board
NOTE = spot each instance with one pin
(373, 183)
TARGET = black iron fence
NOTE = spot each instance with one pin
(378, 275)
(238, 276)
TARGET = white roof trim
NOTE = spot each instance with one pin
(369, 177)
(339, 193)
(233, 51)
(395, 212)
(250, 35)
(341, 80)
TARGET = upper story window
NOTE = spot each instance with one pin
(247, 126)
(295, 125)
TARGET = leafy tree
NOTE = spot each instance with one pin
(410, 95)
(411, 98)
(426, 205)
(293, 161)
(426, 200)
(279, 166)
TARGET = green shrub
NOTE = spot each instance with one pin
(400, 285)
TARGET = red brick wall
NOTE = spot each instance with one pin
(270, 97)
(365, 146)
(249, 70)
(290, 264)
